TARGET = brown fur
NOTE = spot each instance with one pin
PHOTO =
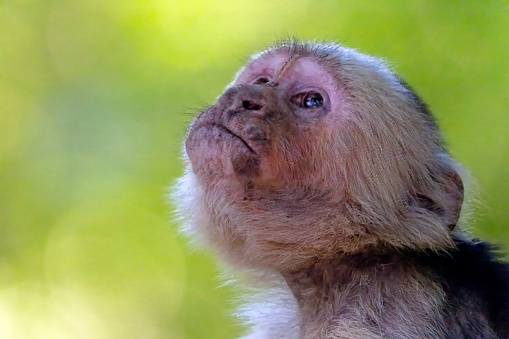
(329, 198)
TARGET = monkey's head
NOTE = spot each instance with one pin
(312, 151)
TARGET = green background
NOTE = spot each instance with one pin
(95, 97)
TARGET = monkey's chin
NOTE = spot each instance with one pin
(217, 151)
(235, 137)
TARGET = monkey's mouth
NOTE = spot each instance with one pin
(224, 129)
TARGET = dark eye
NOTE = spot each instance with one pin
(308, 100)
(312, 100)
(261, 81)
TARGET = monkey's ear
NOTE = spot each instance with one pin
(446, 205)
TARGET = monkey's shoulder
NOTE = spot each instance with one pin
(476, 285)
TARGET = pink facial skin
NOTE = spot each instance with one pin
(247, 146)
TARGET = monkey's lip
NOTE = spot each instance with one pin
(235, 135)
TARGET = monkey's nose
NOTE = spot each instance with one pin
(251, 105)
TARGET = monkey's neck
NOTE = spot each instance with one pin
(364, 288)
(324, 279)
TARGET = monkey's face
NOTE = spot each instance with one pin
(315, 150)
(267, 127)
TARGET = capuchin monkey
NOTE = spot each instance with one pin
(321, 175)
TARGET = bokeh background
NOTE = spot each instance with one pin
(94, 101)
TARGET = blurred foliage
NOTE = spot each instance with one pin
(94, 101)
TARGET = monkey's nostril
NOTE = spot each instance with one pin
(249, 105)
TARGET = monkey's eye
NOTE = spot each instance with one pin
(261, 81)
(313, 100)
(308, 99)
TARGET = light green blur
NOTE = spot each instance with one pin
(94, 101)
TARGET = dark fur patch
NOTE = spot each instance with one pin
(474, 279)
(476, 283)
(421, 105)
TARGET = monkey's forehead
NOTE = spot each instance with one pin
(272, 59)
(288, 71)
(342, 63)
(303, 61)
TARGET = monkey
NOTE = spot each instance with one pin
(323, 177)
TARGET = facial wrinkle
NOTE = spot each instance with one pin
(287, 64)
